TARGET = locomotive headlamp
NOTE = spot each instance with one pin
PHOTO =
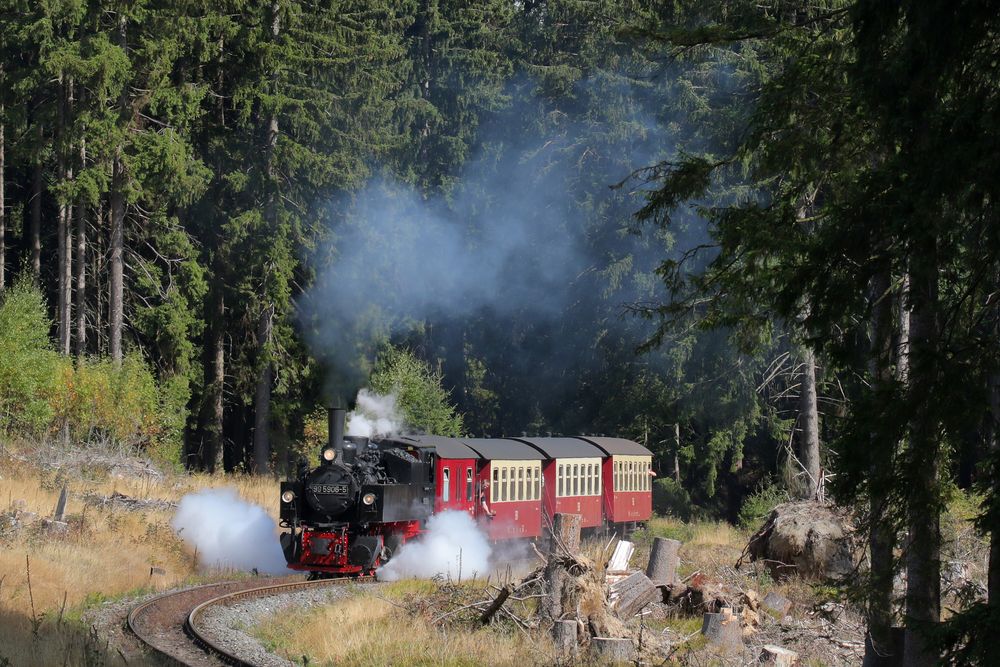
(329, 454)
(287, 496)
(368, 498)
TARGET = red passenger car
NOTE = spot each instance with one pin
(628, 480)
(511, 478)
(572, 473)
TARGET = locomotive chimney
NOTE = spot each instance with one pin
(335, 423)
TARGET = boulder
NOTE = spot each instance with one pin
(777, 656)
(777, 604)
(806, 538)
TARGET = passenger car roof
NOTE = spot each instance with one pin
(564, 448)
(504, 449)
(617, 446)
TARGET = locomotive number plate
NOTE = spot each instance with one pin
(332, 489)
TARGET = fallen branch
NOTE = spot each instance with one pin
(496, 605)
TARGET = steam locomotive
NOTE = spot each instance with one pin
(368, 497)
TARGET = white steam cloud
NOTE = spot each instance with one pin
(229, 532)
(453, 546)
(374, 416)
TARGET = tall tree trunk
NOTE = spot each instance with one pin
(3, 208)
(809, 419)
(116, 282)
(36, 207)
(211, 414)
(993, 441)
(677, 452)
(63, 249)
(923, 546)
(116, 305)
(903, 348)
(81, 265)
(881, 536)
(992, 433)
(262, 401)
(96, 284)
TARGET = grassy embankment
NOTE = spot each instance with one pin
(105, 553)
(376, 619)
(395, 626)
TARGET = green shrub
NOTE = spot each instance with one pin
(27, 362)
(99, 401)
(41, 392)
(672, 499)
(765, 497)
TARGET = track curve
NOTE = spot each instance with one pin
(209, 644)
(168, 624)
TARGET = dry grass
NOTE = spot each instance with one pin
(383, 633)
(705, 545)
(106, 553)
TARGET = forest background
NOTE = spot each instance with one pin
(759, 238)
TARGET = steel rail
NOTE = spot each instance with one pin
(143, 608)
(205, 643)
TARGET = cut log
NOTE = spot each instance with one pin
(621, 556)
(777, 604)
(564, 636)
(633, 593)
(663, 561)
(777, 656)
(608, 650)
(723, 630)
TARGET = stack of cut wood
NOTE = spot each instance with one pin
(588, 608)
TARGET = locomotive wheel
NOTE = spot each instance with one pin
(390, 546)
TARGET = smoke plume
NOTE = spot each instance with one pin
(453, 546)
(374, 416)
(228, 532)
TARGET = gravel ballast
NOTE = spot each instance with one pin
(229, 627)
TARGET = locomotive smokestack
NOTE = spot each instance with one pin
(335, 418)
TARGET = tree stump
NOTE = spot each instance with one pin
(609, 650)
(566, 529)
(565, 542)
(723, 630)
(663, 561)
(632, 594)
(564, 636)
(60, 512)
(777, 656)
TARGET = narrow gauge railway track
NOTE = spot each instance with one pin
(168, 624)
